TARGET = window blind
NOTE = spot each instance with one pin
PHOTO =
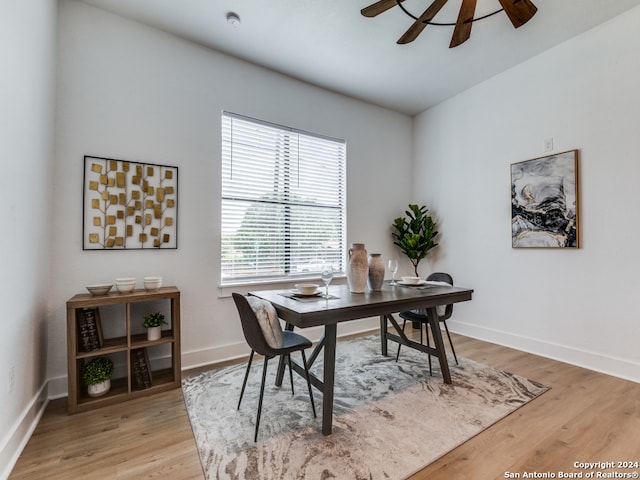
(283, 201)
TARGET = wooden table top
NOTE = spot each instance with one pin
(313, 311)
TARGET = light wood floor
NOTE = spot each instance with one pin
(585, 417)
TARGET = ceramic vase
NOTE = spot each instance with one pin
(358, 268)
(376, 272)
(99, 389)
(154, 333)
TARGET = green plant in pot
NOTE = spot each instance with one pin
(153, 323)
(414, 234)
(154, 320)
(96, 375)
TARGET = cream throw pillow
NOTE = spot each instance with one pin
(268, 321)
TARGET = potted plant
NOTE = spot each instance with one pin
(414, 234)
(96, 375)
(153, 323)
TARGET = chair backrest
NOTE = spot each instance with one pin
(446, 278)
(251, 328)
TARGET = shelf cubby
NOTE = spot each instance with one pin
(120, 348)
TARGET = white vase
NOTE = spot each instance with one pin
(99, 389)
(376, 272)
(154, 333)
(358, 268)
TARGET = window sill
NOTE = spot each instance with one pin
(226, 289)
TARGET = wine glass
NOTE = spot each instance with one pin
(393, 268)
(327, 276)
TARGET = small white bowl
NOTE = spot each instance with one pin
(307, 288)
(152, 283)
(125, 280)
(99, 289)
(411, 280)
(125, 288)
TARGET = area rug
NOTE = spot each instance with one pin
(391, 418)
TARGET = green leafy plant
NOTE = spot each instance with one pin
(414, 234)
(97, 370)
(154, 320)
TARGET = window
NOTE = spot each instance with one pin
(283, 201)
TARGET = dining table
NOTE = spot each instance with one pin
(305, 311)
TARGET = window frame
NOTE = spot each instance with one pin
(338, 259)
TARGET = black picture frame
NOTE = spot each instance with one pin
(129, 205)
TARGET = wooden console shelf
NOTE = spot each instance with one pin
(122, 348)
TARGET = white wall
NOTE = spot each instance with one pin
(131, 92)
(579, 306)
(27, 49)
(127, 91)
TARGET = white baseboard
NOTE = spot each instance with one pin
(209, 356)
(16, 438)
(213, 355)
(610, 365)
(591, 360)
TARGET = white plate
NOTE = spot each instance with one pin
(421, 282)
(300, 294)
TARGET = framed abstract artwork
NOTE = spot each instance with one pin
(129, 205)
(544, 202)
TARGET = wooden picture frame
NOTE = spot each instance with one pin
(129, 205)
(544, 202)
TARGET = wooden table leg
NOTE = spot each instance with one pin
(383, 334)
(330, 333)
(434, 323)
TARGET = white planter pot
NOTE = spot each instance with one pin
(154, 333)
(99, 389)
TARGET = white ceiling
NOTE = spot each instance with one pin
(330, 44)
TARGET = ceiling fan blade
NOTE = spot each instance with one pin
(519, 11)
(462, 31)
(419, 25)
(379, 7)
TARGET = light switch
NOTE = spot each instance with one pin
(548, 145)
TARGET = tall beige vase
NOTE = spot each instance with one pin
(358, 268)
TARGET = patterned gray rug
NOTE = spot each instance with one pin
(390, 419)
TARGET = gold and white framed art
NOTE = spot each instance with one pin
(129, 205)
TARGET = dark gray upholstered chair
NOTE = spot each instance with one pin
(420, 316)
(292, 342)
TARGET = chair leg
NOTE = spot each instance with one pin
(450, 342)
(426, 330)
(246, 375)
(264, 376)
(290, 373)
(399, 345)
(306, 374)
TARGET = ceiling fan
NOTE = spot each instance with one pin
(518, 11)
